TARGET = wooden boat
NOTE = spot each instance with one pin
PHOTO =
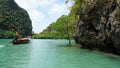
(21, 40)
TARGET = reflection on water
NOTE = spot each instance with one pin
(1, 46)
(53, 54)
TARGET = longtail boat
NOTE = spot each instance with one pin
(21, 40)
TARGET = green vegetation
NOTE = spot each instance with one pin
(64, 26)
(6, 34)
(13, 18)
(76, 9)
(58, 29)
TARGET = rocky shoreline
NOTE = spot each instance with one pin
(98, 25)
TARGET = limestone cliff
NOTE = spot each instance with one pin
(98, 25)
(13, 18)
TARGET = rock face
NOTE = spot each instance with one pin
(14, 18)
(98, 25)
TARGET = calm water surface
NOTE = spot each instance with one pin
(52, 54)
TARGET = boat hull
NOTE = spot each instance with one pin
(21, 41)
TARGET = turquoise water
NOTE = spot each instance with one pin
(52, 54)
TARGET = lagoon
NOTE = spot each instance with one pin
(50, 53)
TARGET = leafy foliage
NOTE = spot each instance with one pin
(13, 18)
(64, 24)
(58, 29)
(6, 34)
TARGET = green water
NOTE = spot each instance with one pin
(52, 54)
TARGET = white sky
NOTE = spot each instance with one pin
(43, 12)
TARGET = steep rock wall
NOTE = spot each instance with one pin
(98, 25)
(13, 18)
